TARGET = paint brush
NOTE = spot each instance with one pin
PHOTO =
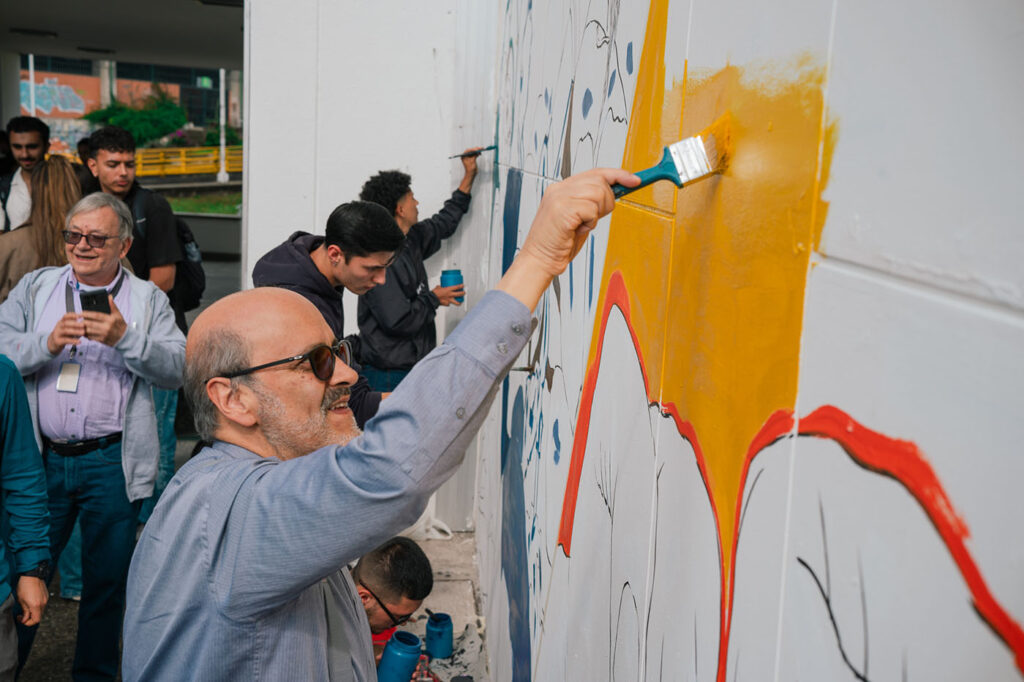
(478, 152)
(688, 160)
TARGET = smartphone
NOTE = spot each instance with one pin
(96, 301)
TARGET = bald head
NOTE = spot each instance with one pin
(254, 315)
(223, 338)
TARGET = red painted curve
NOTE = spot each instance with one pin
(899, 459)
(904, 462)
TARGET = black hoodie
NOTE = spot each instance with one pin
(289, 266)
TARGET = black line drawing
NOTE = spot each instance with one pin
(826, 595)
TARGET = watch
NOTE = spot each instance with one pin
(42, 571)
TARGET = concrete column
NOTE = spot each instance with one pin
(108, 81)
(10, 86)
(235, 98)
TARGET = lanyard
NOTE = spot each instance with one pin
(69, 301)
(69, 296)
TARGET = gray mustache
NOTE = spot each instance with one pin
(333, 394)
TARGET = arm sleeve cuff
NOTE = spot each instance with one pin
(502, 329)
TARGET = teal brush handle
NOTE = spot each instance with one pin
(665, 170)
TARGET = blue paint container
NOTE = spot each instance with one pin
(439, 635)
(398, 662)
(450, 278)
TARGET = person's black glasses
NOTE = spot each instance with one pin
(321, 361)
(395, 622)
(96, 241)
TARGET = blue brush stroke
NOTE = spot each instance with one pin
(611, 83)
(571, 280)
(510, 216)
(588, 101)
(558, 442)
(629, 58)
(590, 276)
(513, 538)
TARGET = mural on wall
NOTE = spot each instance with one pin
(62, 99)
(59, 100)
(667, 509)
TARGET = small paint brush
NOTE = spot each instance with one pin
(478, 152)
(688, 160)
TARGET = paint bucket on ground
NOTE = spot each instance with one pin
(450, 278)
(439, 635)
(400, 657)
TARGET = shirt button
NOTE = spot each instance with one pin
(460, 413)
(72, 409)
(503, 348)
(517, 329)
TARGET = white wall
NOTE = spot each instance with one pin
(801, 462)
(336, 91)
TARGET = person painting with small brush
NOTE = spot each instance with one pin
(396, 319)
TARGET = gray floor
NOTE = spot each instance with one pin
(454, 563)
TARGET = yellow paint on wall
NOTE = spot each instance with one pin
(716, 272)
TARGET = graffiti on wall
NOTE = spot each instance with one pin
(58, 99)
(667, 510)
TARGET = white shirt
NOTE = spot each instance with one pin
(19, 203)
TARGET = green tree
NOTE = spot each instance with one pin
(158, 116)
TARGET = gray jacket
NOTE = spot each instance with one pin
(153, 349)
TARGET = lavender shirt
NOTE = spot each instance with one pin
(97, 407)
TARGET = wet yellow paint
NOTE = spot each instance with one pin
(716, 272)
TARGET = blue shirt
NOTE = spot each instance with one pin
(22, 482)
(238, 574)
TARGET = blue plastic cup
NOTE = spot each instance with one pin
(439, 635)
(450, 278)
(398, 662)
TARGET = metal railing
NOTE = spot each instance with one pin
(183, 160)
(186, 160)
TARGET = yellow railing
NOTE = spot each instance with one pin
(183, 160)
(186, 160)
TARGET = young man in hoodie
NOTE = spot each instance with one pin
(396, 320)
(360, 242)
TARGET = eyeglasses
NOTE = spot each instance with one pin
(321, 361)
(96, 241)
(395, 622)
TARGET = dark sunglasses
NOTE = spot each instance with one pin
(395, 622)
(321, 361)
(96, 241)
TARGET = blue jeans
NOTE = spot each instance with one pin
(70, 566)
(166, 404)
(383, 380)
(91, 489)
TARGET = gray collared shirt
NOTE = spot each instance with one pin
(239, 574)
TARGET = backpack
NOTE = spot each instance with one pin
(189, 277)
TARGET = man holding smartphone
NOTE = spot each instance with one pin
(92, 342)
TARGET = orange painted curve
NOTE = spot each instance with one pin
(900, 460)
